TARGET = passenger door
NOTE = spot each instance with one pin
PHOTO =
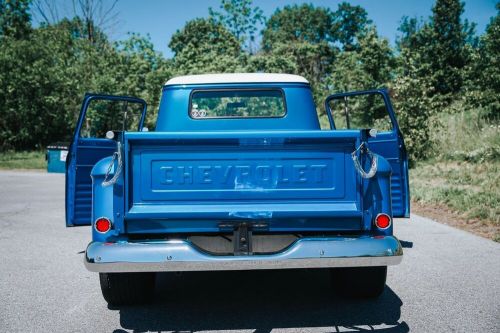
(372, 109)
(99, 114)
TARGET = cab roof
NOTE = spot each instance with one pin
(236, 78)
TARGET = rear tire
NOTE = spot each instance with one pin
(127, 288)
(359, 282)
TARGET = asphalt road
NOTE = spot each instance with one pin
(449, 281)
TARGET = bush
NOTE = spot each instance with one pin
(413, 108)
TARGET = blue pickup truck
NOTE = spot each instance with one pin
(238, 175)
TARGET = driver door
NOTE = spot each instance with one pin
(99, 114)
(372, 109)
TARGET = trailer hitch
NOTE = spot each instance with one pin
(242, 235)
(242, 240)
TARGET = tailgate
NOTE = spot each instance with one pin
(241, 175)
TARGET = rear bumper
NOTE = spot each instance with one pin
(181, 255)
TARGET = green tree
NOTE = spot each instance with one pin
(280, 61)
(335, 51)
(40, 82)
(316, 25)
(240, 19)
(409, 28)
(348, 22)
(46, 76)
(447, 46)
(484, 72)
(414, 111)
(143, 70)
(298, 39)
(377, 59)
(304, 23)
(413, 87)
(369, 66)
(205, 46)
(15, 18)
(439, 50)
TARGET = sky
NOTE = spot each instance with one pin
(162, 18)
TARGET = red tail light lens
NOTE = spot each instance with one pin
(102, 225)
(383, 221)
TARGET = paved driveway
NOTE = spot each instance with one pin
(449, 281)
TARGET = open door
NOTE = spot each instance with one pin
(99, 114)
(372, 109)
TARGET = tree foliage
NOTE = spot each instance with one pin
(298, 39)
(447, 46)
(15, 18)
(442, 62)
(46, 75)
(347, 23)
(484, 71)
(205, 46)
(304, 23)
(240, 18)
(439, 63)
(325, 46)
(438, 48)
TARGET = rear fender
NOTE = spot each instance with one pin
(107, 200)
(377, 196)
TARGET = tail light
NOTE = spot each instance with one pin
(102, 225)
(383, 221)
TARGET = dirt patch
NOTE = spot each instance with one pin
(445, 215)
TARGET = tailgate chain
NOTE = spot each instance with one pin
(363, 148)
(117, 155)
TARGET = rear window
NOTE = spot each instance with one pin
(268, 103)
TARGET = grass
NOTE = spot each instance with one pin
(23, 160)
(464, 174)
(465, 136)
(470, 190)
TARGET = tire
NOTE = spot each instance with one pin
(127, 288)
(359, 282)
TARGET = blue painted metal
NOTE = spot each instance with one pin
(83, 154)
(208, 177)
(391, 146)
(173, 115)
(191, 174)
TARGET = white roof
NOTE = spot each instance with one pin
(237, 78)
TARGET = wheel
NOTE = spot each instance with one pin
(362, 282)
(127, 288)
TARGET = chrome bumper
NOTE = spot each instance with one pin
(181, 255)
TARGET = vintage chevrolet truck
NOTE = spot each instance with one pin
(238, 175)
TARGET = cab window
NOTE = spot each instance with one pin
(209, 104)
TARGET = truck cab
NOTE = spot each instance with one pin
(238, 175)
